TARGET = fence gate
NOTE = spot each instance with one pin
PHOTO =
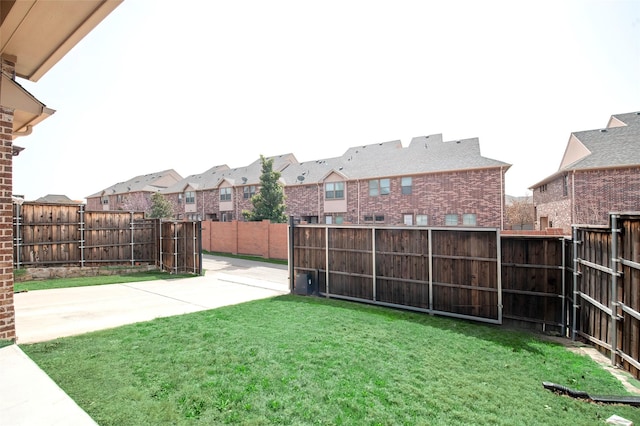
(180, 247)
(606, 309)
(453, 272)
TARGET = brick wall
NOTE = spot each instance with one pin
(437, 194)
(595, 194)
(599, 192)
(265, 239)
(7, 311)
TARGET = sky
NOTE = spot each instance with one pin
(193, 84)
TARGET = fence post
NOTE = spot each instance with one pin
(373, 261)
(574, 308)
(290, 239)
(499, 273)
(175, 248)
(17, 236)
(159, 239)
(613, 261)
(132, 239)
(82, 236)
(430, 237)
(563, 303)
(326, 255)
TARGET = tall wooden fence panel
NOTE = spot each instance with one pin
(535, 282)
(607, 288)
(445, 271)
(180, 247)
(629, 294)
(67, 235)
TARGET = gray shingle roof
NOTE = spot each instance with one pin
(209, 179)
(425, 154)
(152, 182)
(611, 147)
(247, 175)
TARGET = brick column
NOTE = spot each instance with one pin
(7, 311)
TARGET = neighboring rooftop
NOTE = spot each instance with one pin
(425, 154)
(56, 199)
(215, 176)
(617, 145)
(152, 182)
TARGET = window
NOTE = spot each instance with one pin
(422, 220)
(227, 217)
(451, 220)
(179, 198)
(225, 194)
(565, 185)
(379, 218)
(190, 197)
(407, 185)
(543, 188)
(379, 187)
(408, 219)
(119, 198)
(469, 219)
(105, 200)
(339, 220)
(368, 218)
(249, 191)
(328, 220)
(334, 190)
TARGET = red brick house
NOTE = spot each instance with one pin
(220, 193)
(34, 36)
(134, 194)
(430, 182)
(599, 173)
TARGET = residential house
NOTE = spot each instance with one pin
(220, 193)
(599, 173)
(34, 36)
(430, 182)
(134, 194)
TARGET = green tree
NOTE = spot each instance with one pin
(160, 207)
(269, 202)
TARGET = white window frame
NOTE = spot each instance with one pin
(448, 219)
(469, 219)
(225, 193)
(334, 191)
(407, 185)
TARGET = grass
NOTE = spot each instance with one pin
(297, 360)
(97, 280)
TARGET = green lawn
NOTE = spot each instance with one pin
(302, 360)
(97, 280)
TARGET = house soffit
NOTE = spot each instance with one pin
(40, 32)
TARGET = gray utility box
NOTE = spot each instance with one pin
(306, 284)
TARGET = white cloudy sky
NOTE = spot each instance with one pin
(192, 84)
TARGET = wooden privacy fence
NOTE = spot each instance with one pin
(444, 271)
(67, 235)
(606, 287)
(588, 286)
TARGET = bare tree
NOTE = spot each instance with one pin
(520, 213)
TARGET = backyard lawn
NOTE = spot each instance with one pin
(96, 280)
(302, 360)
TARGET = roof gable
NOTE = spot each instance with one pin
(574, 151)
